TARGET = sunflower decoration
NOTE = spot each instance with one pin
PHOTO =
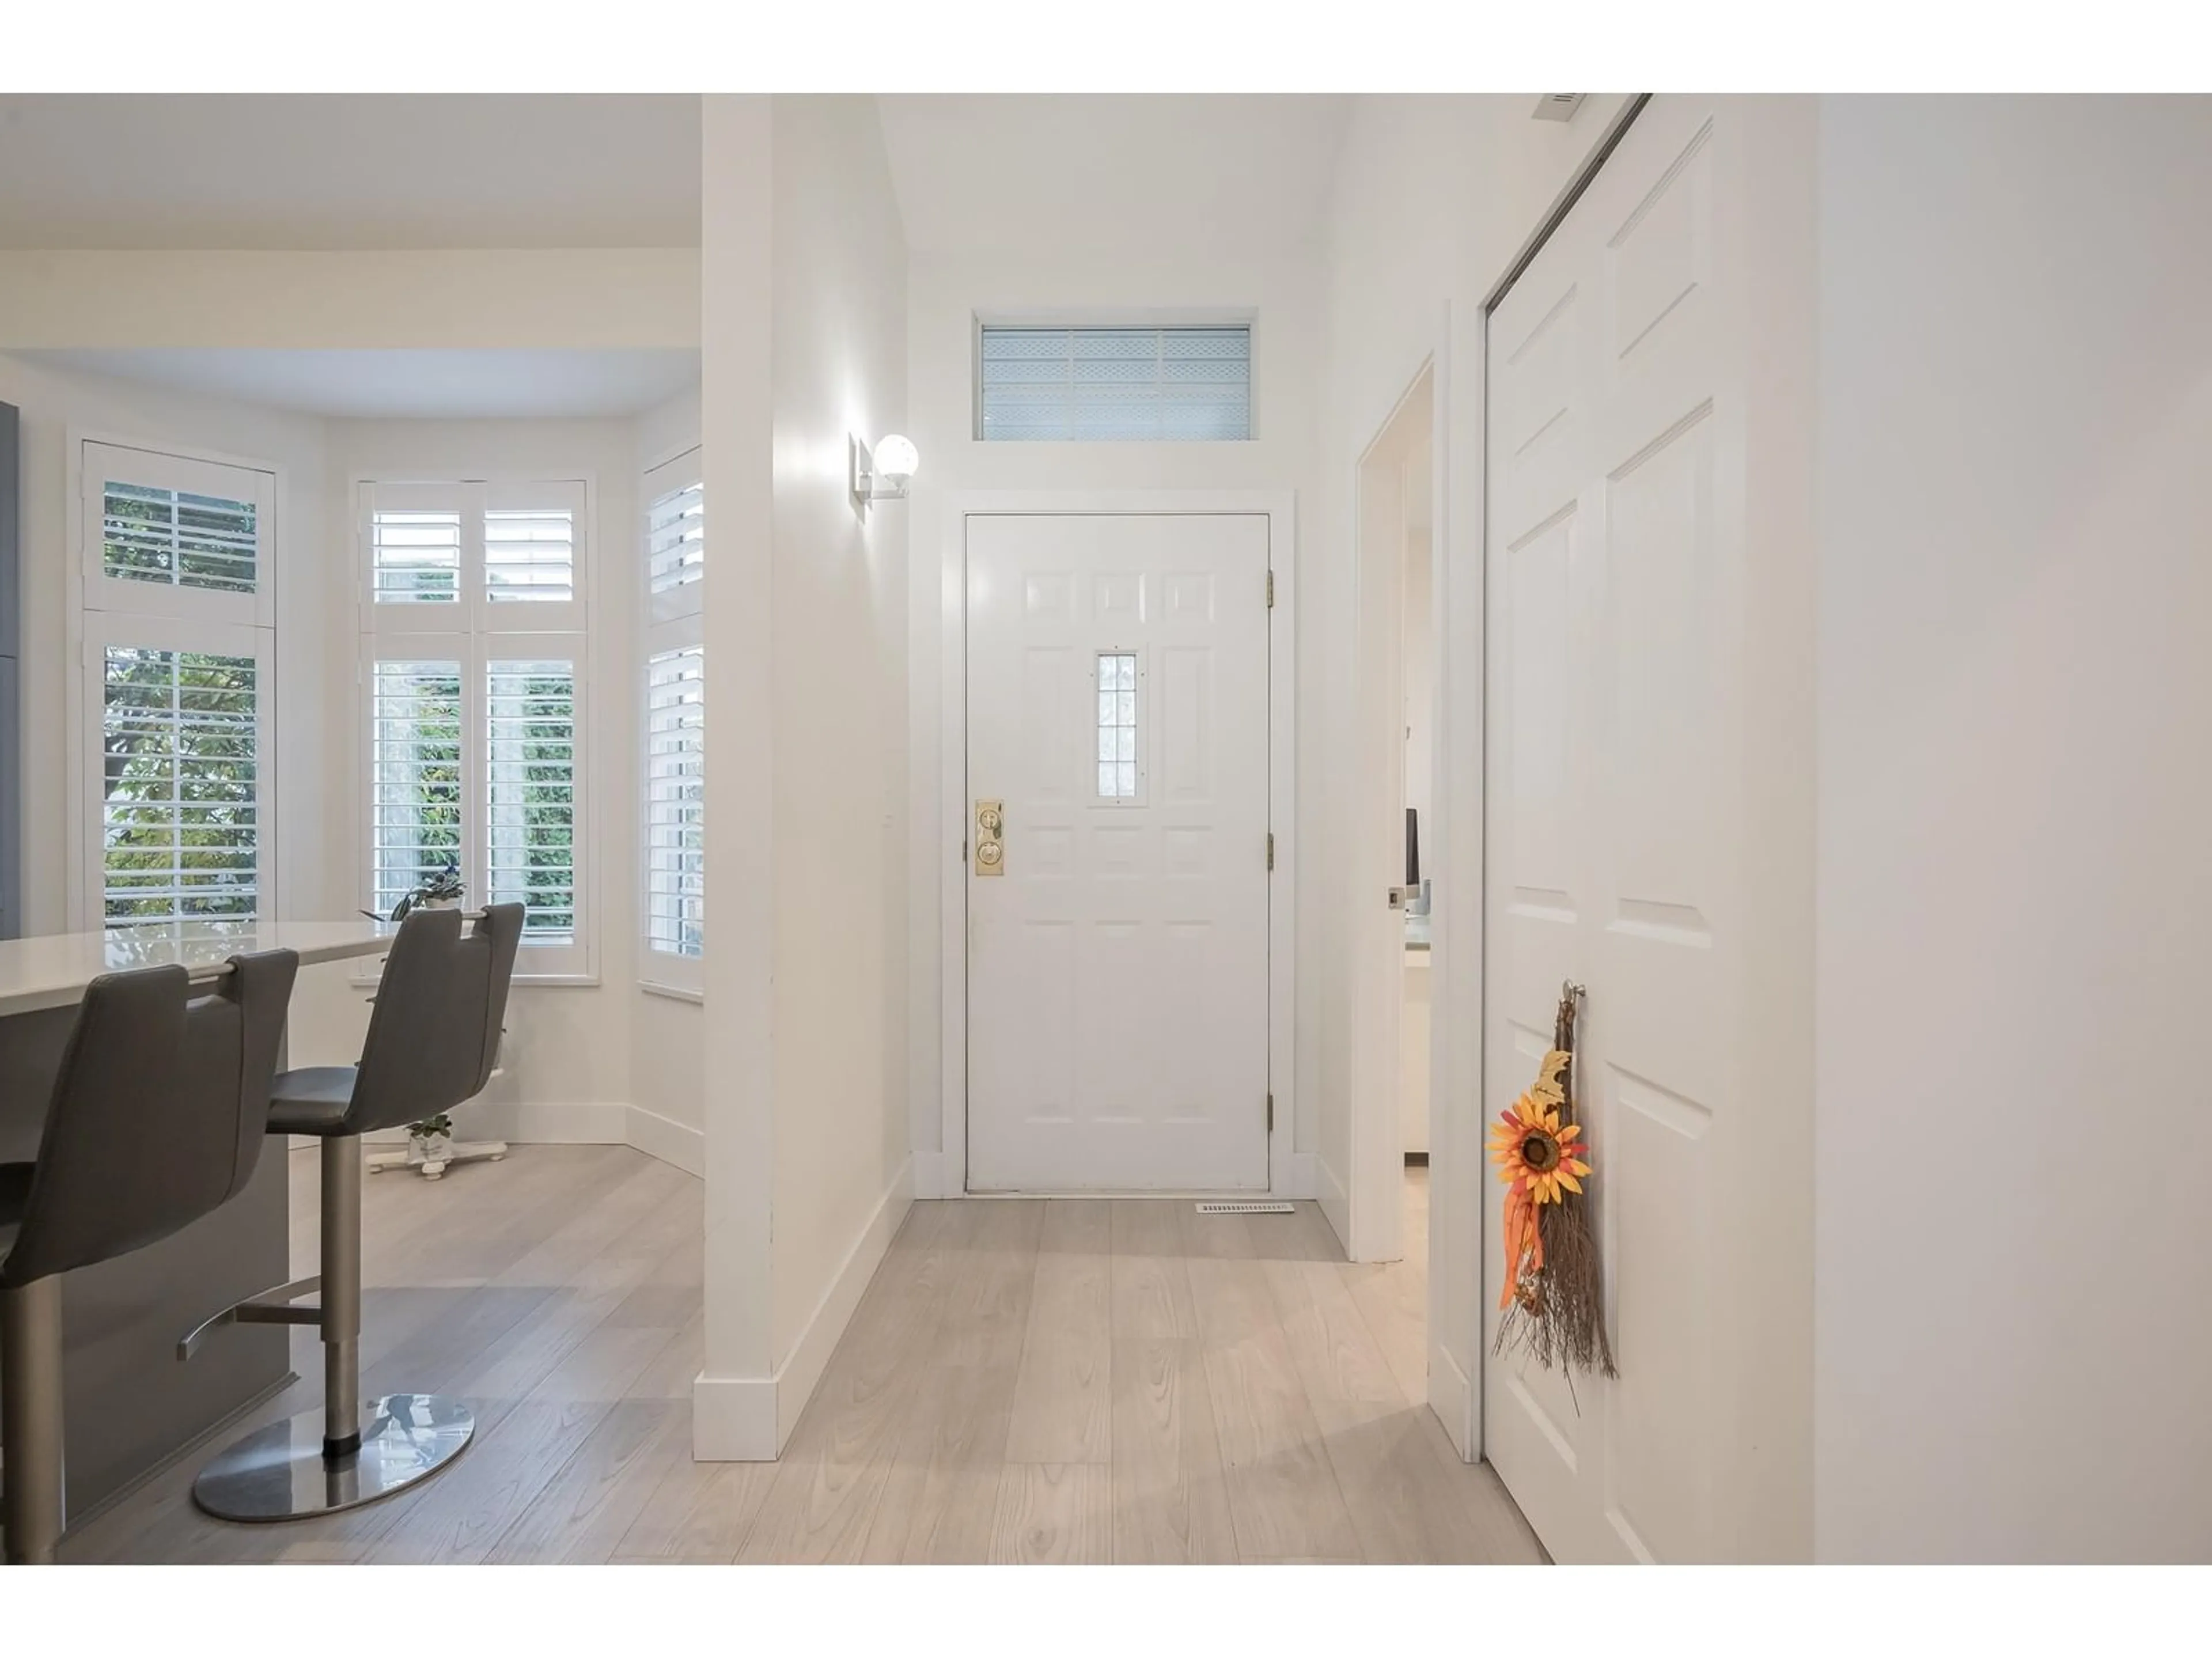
(1553, 1295)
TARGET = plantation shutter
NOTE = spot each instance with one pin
(675, 538)
(179, 538)
(674, 899)
(529, 554)
(416, 776)
(531, 788)
(180, 784)
(415, 555)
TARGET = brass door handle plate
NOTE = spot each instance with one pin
(990, 837)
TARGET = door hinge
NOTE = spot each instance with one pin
(1270, 849)
(1270, 1113)
(1271, 590)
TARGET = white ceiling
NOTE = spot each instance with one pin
(1069, 173)
(415, 384)
(1087, 172)
(349, 172)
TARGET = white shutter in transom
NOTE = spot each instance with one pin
(172, 536)
(415, 542)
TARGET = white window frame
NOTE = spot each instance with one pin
(673, 621)
(109, 610)
(476, 631)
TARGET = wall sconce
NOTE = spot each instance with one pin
(883, 475)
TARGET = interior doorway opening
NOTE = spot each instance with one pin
(1396, 840)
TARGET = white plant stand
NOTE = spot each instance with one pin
(434, 1164)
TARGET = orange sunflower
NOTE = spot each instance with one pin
(1540, 1160)
(1535, 1153)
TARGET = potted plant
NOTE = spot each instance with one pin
(441, 892)
(430, 1141)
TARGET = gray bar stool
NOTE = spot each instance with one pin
(157, 1120)
(433, 1040)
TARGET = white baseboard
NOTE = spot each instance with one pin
(1328, 1188)
(733, 1420)
(666, 1138)
(738, 1419)
(1451, 1398)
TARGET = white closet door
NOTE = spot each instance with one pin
(1617, 834)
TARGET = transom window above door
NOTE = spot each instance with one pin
(1181, 384)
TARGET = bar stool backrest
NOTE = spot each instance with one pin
(434, 1035)
(158, 1115)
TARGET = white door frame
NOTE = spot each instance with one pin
(1452, 855)
(1289, 1175)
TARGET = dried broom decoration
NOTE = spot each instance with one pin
(1553, 1297)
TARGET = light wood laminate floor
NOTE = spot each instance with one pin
(1025, 1381)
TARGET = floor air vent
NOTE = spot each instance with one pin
(1243, 1206)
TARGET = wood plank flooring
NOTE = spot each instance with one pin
(1071, 1381)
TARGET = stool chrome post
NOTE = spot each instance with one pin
(31, 1347)
(341, 1319)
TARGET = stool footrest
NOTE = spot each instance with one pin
(271, 1307)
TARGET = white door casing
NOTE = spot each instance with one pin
(1618, 840)
(1118, 972)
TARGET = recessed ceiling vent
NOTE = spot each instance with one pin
(1559, 105)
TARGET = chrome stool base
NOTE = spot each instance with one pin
(279, 1472)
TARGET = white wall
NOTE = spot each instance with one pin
(2015, 709)
(840, 613)
(56, 403)
(807, 1162)
(568, 1075)
(945, 295)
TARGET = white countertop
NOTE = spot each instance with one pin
(53, 971)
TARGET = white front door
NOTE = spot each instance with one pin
(1117, 949)
(1617, 837)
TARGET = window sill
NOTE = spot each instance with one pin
(673, 992)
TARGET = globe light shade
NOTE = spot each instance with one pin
(897, 458)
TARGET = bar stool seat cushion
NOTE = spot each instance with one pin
(311, 1101)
